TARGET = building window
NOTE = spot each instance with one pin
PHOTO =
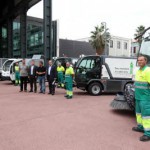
(4, 33)
(118, 45)
(111, 43)
(125, 45)
(36, 39)
(134, 50)
(42, 38)
(32, 40)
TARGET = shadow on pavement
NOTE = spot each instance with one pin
(123, 112)
(6, 83)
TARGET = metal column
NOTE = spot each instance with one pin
(10, 37)
(47, 29)
(23, 35)
(1, 52)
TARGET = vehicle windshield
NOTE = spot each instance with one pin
(7, 65)
(145, 49)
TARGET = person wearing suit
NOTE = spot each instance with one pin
(33, 76)
(51, 77)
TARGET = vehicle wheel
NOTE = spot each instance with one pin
(13, 81)
(129, 95)
(95, 89)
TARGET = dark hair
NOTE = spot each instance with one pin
(145, 58)
(41, 62)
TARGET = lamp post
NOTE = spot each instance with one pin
(104, 24)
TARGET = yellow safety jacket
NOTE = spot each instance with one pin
(60, 69)
(69, 71)
(142, 84)
(68, 74)
(16, 68)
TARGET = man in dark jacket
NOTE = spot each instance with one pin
(32, 76)
(51, 77)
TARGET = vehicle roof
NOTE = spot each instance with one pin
(104, 56)
(11, 59)
(66, 58)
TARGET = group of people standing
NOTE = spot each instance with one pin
(32, 73)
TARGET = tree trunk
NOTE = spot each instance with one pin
(99, 51)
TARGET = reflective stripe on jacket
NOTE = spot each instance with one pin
(142, 84)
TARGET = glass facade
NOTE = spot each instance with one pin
(35, 38)
(4, 47)
(16, 40)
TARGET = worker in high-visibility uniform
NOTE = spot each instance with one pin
(142, 97)
(69, 74)
(17, 74)
(60, 75)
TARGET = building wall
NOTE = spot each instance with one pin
(135, 48)
(35, 39)
(3, 46)
(119, 46)
(72, 48)
(114, 50)
(62, 47)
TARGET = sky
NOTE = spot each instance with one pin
(77, 18)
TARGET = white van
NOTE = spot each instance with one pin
(6, 69)
(19, 61)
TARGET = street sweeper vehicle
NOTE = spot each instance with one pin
(126, 100)
(97, 74)
(64, 60)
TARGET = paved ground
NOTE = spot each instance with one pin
(44, 122)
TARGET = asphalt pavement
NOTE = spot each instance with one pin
(33, 121)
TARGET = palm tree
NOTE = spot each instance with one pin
(99, 38)
(139, 30)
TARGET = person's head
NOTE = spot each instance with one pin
(67, 64)
(32, 62)
(16, 64)
(40, 63)
(23, 61)
(59, 64)
(50, 62)
(142, 61)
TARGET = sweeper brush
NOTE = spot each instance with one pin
(119, 102)
(124, 101)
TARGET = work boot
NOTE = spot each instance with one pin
(69, 97)
(136, 129)
(58, 86)
(66, 95)
(144, 138)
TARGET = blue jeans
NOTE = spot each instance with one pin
(42, 83)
